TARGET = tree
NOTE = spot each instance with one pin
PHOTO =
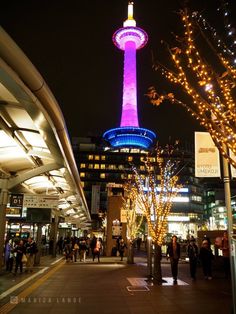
(155, 197)
(134, 220)
(209, 81)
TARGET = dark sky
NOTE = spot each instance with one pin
(69, 42)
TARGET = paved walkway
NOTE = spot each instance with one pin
(113, 287)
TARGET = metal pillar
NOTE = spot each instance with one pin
(3, 204)
(149, 256)
(226, 180)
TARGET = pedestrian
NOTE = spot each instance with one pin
(122, 248)
(97, 250)
(173, 252)
(60, 245)
(138, 241)
(225, 252)
(8, 254)
(31, 250)
(19, 250)
(68, 252)
(82, 250)
(192, 252)
(206, 257)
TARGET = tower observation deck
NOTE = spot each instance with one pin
(129, 134)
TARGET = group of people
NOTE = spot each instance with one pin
(17, 252)
(204, 256)
(73, 247)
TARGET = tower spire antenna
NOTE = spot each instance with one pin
(130, 20)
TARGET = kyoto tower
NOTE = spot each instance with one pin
(129, 134)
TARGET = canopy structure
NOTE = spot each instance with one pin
(35, 151)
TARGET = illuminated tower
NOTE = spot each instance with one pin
(129, 134)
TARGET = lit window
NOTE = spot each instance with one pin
(82, 174)
(130, 158)
(82, 166)
(112, 167)
(143, 177)
(142, 168)
(121, 167)
(96, 166)
(103, 166)
(103, 157)
(82, 184)
(130, 176)
(123, 176)
(90, 166)
(102, 175)
(97, 157)
(90, 157)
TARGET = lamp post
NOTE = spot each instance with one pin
(226, 180)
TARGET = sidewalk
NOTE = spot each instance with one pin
(112, 286)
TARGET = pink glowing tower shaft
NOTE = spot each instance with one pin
(129, 106)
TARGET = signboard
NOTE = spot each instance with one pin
(116, 231)
(95, 203)
(123, 215)
(207, 158)
(64, 225)
(39, 215)
(16, 200)
(40, 201)
(13, 212)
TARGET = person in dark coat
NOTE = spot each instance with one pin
(173, 252)
(206, 257)
(192, 252)
(122, 248)
(19, 250)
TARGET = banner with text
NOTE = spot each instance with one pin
(207, 157)
(95, 202)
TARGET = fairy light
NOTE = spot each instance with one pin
(213, 102)
(155, 205)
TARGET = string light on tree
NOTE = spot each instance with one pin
(211, 90)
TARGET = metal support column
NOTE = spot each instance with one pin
(3, 204)
(230, 227)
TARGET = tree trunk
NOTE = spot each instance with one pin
(157, 273)
(130, 253)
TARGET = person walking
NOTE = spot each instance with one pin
(173, 252)
(206, 257)
(97, 250)
(122, 248)
(192, 252)
(82, 250)
(31, 250)
(19, 250)
(225, 252)
(8, 255)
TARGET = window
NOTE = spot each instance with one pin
(121, 167)
(90, 157)
(97, 157)
(90, 166)
(130, 158)
(103, 166)
(96, 166)
(142, 168)
(130, 176)
(103, 157)
(111, 167)
(82, 166)
(82, 174)
(102, 175)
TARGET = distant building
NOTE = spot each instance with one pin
(103, 172)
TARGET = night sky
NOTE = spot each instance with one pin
(70, 44)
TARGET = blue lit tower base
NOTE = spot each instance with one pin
(132, 137)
